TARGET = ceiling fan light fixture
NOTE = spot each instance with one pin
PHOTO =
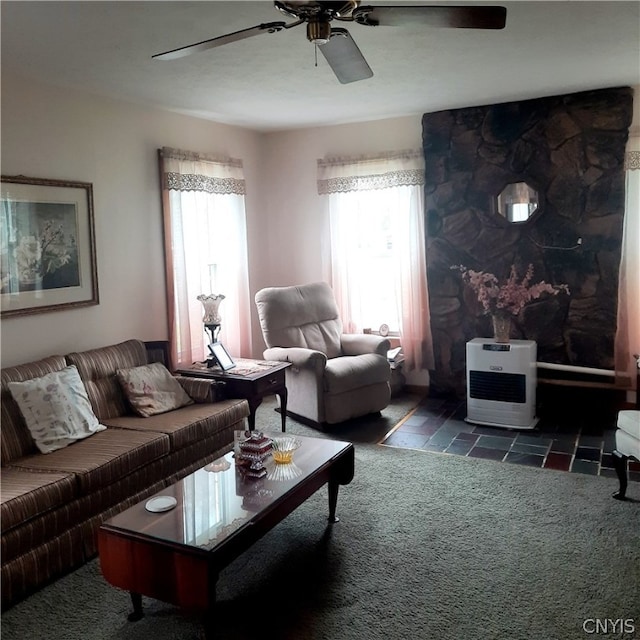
(319, 31)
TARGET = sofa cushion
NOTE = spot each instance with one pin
(102, 459)
(56, 409)
(97, 369)
(351, 372)
(151, 389)
(26, 494)
(189, 424)
(16, 439)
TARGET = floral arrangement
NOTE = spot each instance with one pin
(512, 296)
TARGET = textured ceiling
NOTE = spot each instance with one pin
(271, 81)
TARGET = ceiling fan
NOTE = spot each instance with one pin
(336, 44)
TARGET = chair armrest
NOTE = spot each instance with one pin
(298, 356)
(201, 389)
(356, 344)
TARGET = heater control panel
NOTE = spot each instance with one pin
(496, 347)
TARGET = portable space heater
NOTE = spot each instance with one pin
(501, 383)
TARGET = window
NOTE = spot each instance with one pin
(366, 233)
(206, 250)
(627, 339)
(377, 246)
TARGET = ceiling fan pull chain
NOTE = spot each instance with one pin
(315, 48)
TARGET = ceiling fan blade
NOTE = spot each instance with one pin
(269, 27)
(345, 58)
(478, 17)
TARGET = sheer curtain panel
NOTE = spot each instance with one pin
(377, 244)
(627, 342)
(205, 250)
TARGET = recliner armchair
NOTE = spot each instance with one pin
(335, 376)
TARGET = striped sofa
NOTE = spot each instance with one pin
(52, 505)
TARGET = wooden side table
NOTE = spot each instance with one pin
(252, 380)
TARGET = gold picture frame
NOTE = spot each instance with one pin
(47, 246)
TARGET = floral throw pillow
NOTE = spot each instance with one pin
(56, 409)
(151, 389)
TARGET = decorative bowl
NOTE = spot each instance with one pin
(284, 472)
(283, 447)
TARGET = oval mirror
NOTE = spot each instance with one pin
(517, 202)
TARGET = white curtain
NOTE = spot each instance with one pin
(205, 248)
(359, 190)
(627, 342)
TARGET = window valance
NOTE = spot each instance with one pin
(191, 171)
(364, 173)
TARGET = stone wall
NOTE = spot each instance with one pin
(571, 150)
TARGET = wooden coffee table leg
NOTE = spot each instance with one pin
(208, 620)
(209, 625)
(333, 500)
(137, 612)
(341, 473)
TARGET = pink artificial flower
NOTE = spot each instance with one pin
(510, 297)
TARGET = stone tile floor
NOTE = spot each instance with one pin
(574, 434)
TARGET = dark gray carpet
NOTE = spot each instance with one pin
(429, 546)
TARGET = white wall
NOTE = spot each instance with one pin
(48, 132)
(61, 134)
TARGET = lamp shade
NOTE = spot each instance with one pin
(211, 304)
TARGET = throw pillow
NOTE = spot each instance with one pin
(151, 389)
(56, 409)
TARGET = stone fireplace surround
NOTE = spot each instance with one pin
(569, 148)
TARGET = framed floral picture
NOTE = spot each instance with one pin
(47, 246)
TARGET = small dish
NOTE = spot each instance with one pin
(160, 504)
(282, 449)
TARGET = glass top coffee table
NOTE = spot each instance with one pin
(176, 555)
